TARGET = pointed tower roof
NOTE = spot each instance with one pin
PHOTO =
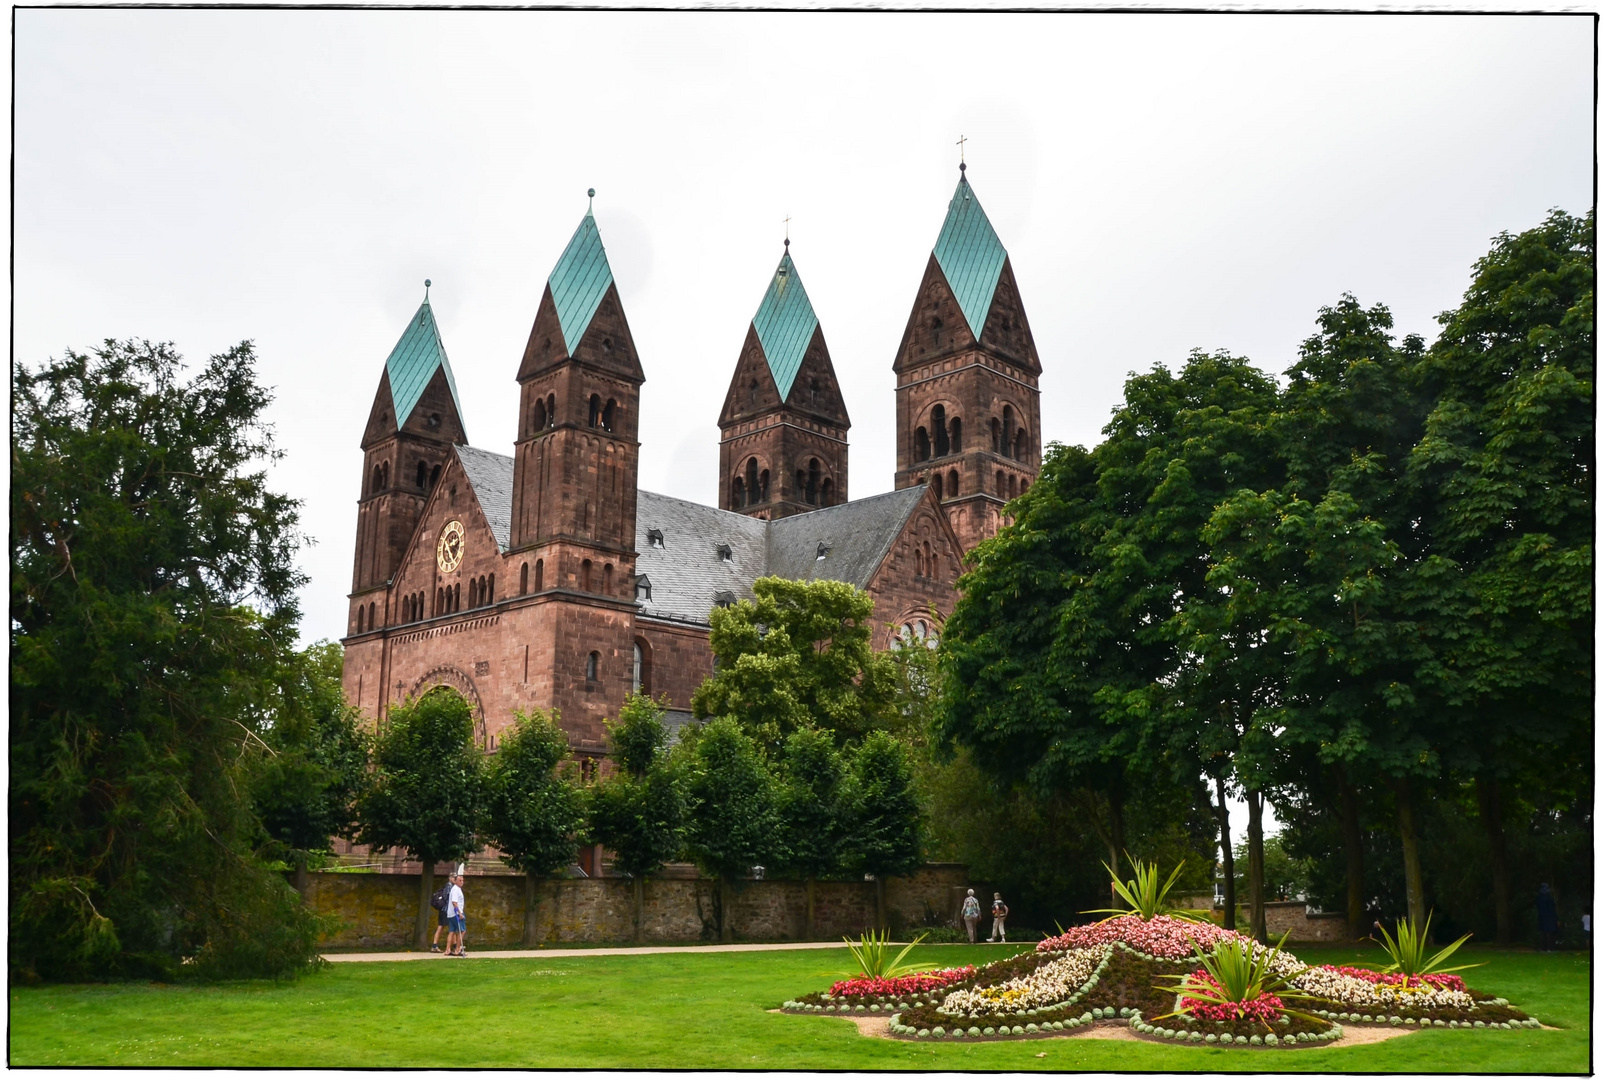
(785, 324)
(970, 255)
(580, 280)
(414, 361)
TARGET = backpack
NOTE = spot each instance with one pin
(438, 901)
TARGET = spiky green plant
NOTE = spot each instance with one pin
(873, 950)
(1145, 894)
(1242, 975)
(1407, 948)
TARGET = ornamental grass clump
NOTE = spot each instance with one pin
(1145, 894)
(1408, 950)
(874, 955)
(1237, 982)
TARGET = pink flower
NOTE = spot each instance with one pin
(1437, 980)
(1163, 936)
(1266, 1007)
(864, 986)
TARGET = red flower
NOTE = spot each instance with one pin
(864, 986)
(1266, 1007)
(1438, 980)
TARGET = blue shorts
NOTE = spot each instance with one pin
(456, 924)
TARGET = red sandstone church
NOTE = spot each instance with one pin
(548, 579)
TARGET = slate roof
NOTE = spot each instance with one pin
(491, 477)
(785, 323)
(579, 281)
(413, 361)
(688, 574)
(970, 255)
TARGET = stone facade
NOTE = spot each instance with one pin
(380, 910)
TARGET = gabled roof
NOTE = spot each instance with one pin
(687, 572)
(970, 255)
(491, 477)
(413, 362)
(785, 323)
(841, 543)
(579, 281)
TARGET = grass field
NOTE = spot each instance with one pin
(691, 1011)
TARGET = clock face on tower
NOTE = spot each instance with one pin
(449, 552)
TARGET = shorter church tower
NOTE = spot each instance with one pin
(414, 423)
(968, 406)
(783, 428)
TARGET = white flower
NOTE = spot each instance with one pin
(1056, 981)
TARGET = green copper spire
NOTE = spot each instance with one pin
(970, 255)
(785, 323)
(413, 361)
(580, 280)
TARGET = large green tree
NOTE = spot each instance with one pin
(816, 802)
(534, 811)
(315, 762)
(427, 794)
(153, 586)
(638, 812)
(885, 839)
(797, 655)
(731, 820)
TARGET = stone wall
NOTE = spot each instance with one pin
(1293, 918)
(379, 910)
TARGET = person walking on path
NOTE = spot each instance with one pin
(1000, 911)
(1548, 922)
(441, 897)
(971, 913)
(456, 923)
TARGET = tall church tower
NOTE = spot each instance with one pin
(968, 408)
(783, 428)
(414, 422)
(574, 485)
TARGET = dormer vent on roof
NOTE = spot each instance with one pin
(654, 538)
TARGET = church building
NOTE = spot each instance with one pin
(548, 579)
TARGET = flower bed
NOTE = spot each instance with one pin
(1115, 973)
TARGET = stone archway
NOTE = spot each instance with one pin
(460, 681)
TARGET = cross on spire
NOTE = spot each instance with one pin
(960, 144)
(787, 220)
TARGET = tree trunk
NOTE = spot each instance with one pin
(301, 874)
(808, 920)
(638, 889)
(1256, 866)
(1414, 891)
(724, 909)
(1353, 856)
(426, 887)
(1493, 823)
(530, 906)
(1228, 861)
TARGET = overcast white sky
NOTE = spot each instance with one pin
(1161, 182)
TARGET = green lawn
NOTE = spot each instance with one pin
(689, 1011)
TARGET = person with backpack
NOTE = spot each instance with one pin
(971, 913)
(1000, 911)
(456, 922)
(437, 900)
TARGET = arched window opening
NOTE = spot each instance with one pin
(752, 481)
(378, 481)
(643, 666)
(423, 475)
(609, 411)
(1021, 445)
(1025, 486)
(635, 676)
(592, 662)
(457, 597)
(360, 614)
(596, 410)
(385, 479)
(738, 494)
(1011, 485)
(813, 481)
(936, 333)
(763, 486)
(827, 493)
(957, 436)
(540, 567)
(952, 483)
(523, 579)
(585, 575)
(440, 601)
(813, 390)
(539, 420)
(472, 582)
(490, 589)
(1008, 430)
(434, 477)
(752, 394)
(1001, 491)
(607, 578)
(802, 485)
(551, 410)
(922, 445)
(939, 428)
(997, 436)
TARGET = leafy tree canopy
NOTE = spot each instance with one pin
(427, 793)
(534, 812)
(638, 813)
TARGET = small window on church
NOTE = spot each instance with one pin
(752, 394)
(724, 598)
(423, 474)
(813, 389)
(827, 494)
(539, 422)
(939, 429)
(763, 486)
(523, 579)
(592, 662)
(609, 411)
(585, 575)
(643, 589)
(540, 568)
(821, 551)
(596, 411)
(922, 444)
(952, 483)
(551, 410)
(433, 423)
(654, 538)
(957, 438)
(607, 579)
(725, 554)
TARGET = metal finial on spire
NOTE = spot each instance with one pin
(590, 195)
(787, 221)
(427, 283)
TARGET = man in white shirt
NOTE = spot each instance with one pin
(456, 923)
